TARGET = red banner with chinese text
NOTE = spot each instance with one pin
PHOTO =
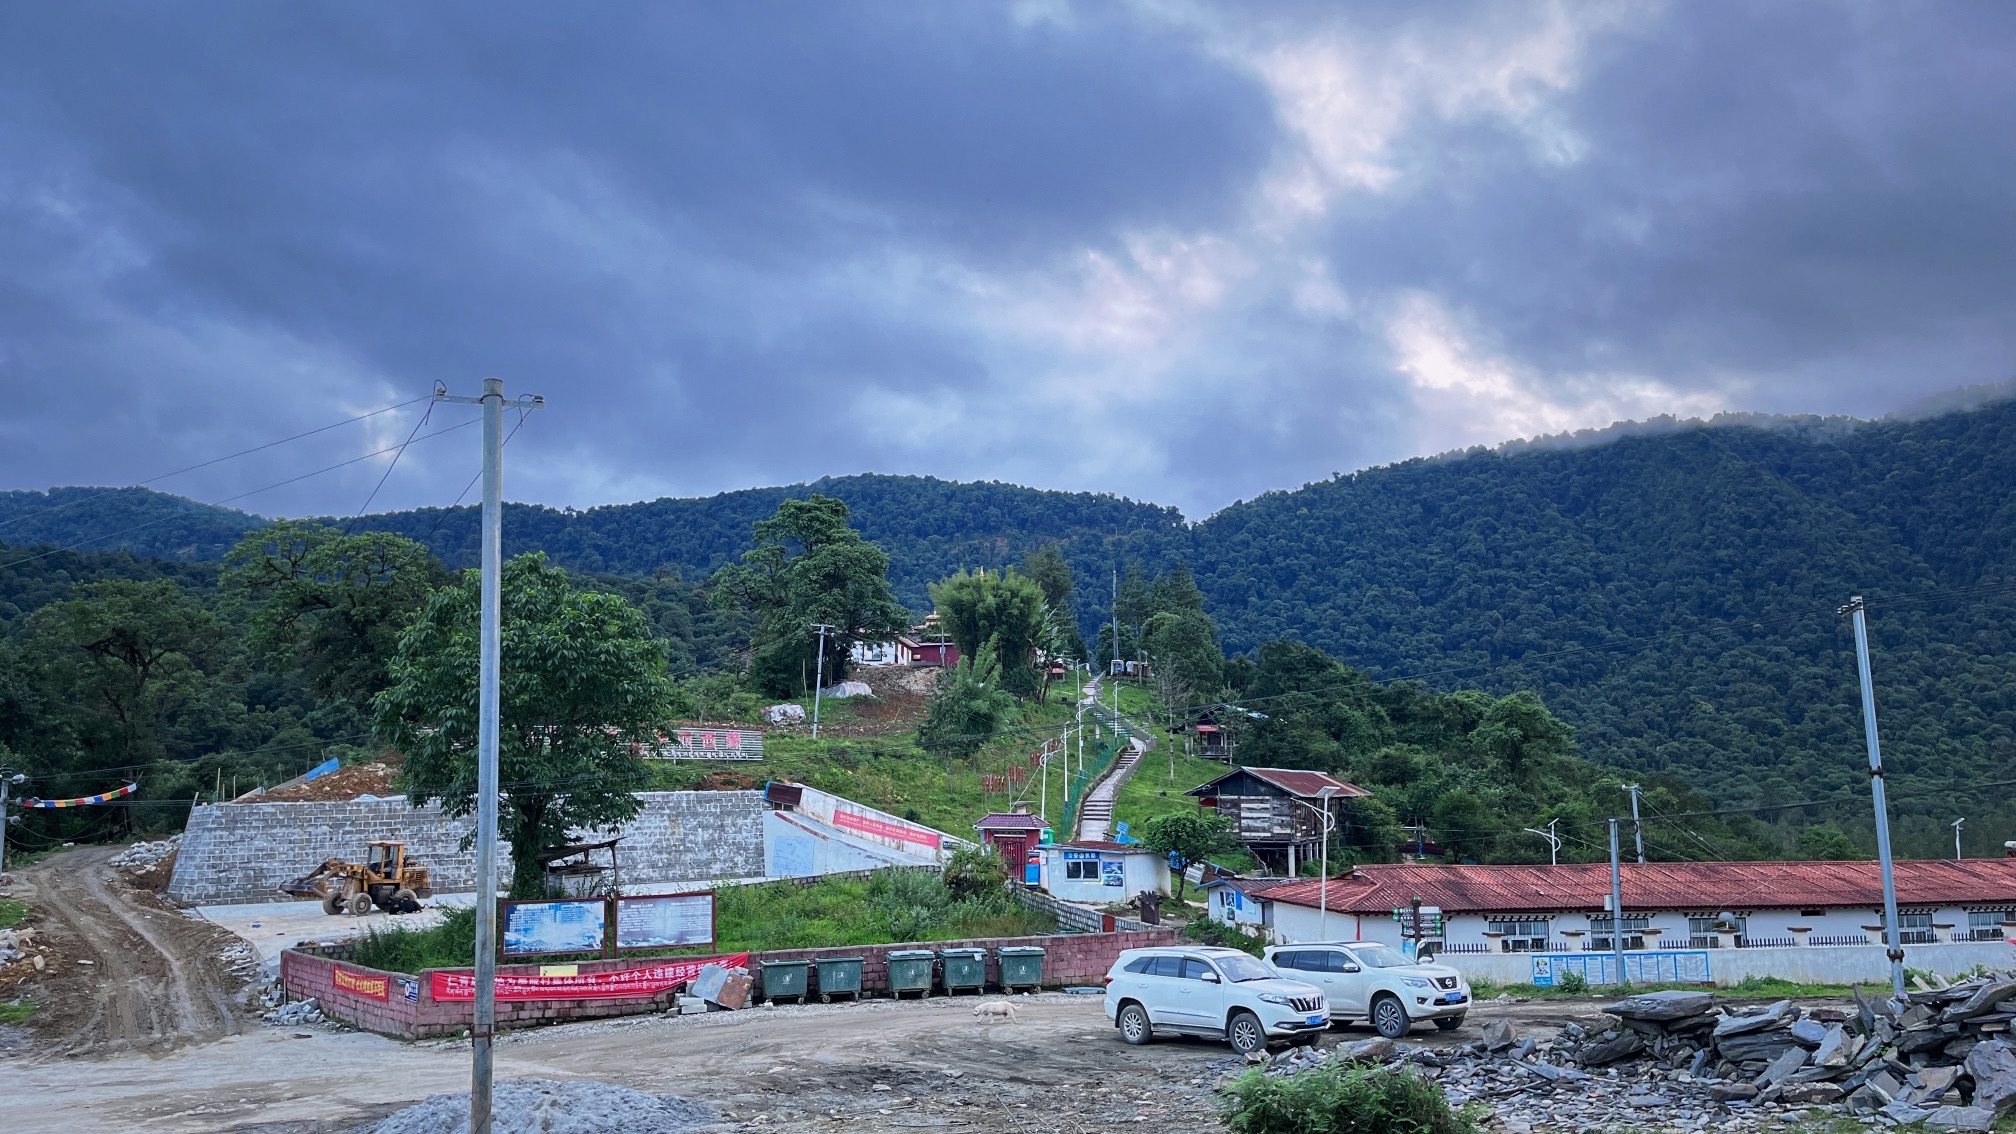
(623, 984)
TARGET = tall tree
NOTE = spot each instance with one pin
(1187, 837)
(1184, 656)
(330, 603)
(1003, 612)
(809, 567)
(582, 682)
(967, 707)
(133, 651)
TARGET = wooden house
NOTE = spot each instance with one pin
(1278, 813)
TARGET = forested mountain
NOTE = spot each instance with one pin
(930, 528)
(1669, 588)
(1674, 596)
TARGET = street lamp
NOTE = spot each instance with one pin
(1329, 825)
(1553, 841)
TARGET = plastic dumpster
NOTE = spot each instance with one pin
(910, 971)
(837, 976)
(965, 968)
(784, 978)
(1021, 966)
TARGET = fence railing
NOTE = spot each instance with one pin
(1766, 943)
(1992, 934)
(1467, 948)
(1844, 939)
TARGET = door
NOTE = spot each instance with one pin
(1343, 981)
(1012, 853)
(1162, 987)
(1200, 997)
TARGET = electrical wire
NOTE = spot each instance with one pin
(218, 503)
(393, 464)
(208, 463)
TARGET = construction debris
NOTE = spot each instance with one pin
(1676, 1061)
(299, 1012)
(542, 1106)
(146, 856)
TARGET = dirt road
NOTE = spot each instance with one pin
(127, 973)
(880, 1067)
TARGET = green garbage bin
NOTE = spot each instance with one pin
(910, 971)
(965, 968)
(784, 978)
(838, 976)
(1021, 966)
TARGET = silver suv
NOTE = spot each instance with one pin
(1221, 993)
(1365, 980)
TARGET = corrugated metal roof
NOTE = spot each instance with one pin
(1378, 889)
(1010, 821)
(1294, 781)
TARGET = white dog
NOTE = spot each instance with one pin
(999, 1008)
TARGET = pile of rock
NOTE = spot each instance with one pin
(1676, 1060)
(298, 1012)
(146, 856)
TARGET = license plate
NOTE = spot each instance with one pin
(1314, 1020)
(1452, 998)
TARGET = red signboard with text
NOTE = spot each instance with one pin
(883, 828)
(625, 984)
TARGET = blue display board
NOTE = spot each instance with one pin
(572, 926)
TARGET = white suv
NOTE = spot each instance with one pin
(1221, 993)
(1365, 980)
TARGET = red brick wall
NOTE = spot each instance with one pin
(1080, 959)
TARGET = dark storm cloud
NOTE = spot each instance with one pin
(1080, 247)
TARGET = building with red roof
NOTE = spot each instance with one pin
(1687, 905)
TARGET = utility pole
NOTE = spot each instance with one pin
(1617, 907)
(1637, 828)
(1329, 823)
(8, 778)
(819, 680)
(483, 1025)
(1893, 933)
(1553, 841)
(1116, 651)
(1957, 824)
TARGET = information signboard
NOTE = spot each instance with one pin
(665, 921)
(576, 925)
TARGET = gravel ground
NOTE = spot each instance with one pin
(542, 1106)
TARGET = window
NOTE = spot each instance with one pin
(1140, 964)
(1634, 931)
(1194, 969)
(1703, 931)
(1240, 967)
(1914, 928)
(1985, 925)
(1527, 935)
(1082, 870)
(1380, 957)
(1168, 966)
(1296, 961)
(1812, 913)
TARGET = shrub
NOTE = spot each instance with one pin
(449, 944)
(1572, 982)
(1348, 1099)
(974, 871)
(1205, 931)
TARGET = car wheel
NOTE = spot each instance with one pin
(1449, 1023)
(1133, 1024)
(1390, 1017)
(1245, 1034)
(360, 904)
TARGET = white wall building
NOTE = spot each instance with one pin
(1101, 872)
(1669, 908)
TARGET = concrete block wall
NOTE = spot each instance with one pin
(1074, 917)
(242, 852)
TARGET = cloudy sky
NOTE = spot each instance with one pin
(1181, 251)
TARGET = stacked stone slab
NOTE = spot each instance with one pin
(242, 852)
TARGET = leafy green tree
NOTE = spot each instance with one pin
(1187, 837)
(582, 683)
(1003, 612)
(809, 567)
(975, 872)
(1466, 825)
(966, 709)
(331, 604)
(1519, 734)
(1184, 655)
(1827, 842)
(132, 651)
(1047, 567)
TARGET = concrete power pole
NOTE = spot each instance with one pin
(8, 778)
(819, 679)
(1957, 824)
(1617, 907)
(483, 1025)
(1637, 827)
(1893, 933)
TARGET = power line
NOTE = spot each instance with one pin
(218, 503)
(393, 464)
(208, 463)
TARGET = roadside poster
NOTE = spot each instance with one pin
(664, 921)
(571, 926)
(1112, 872)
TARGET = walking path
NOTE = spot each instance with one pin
(1095, 814)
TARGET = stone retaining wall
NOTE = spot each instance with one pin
(1836, 964)
(242, 852)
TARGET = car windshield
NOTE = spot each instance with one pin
(1380, 957)
(1245, 968)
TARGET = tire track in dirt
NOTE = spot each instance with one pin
(154, 979)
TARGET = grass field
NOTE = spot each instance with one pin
(12, 913)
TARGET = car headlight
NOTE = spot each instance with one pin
(1418, 982)
(1277, 998)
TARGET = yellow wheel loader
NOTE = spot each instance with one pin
(386, 878)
